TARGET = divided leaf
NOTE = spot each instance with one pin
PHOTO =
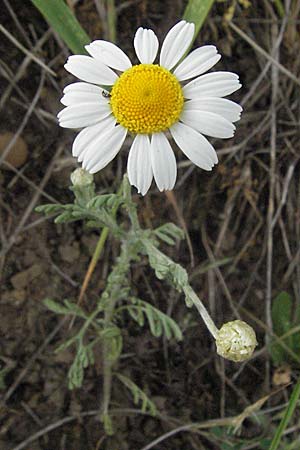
(164, 267)
(84, 357)
(139, 396)
(169, 233)
(100, 201)
(159, 322)
(66, 308)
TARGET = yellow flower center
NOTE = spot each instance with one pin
(146, 99)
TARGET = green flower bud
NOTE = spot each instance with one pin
(81, 177)
(83, 186)
(236, 341)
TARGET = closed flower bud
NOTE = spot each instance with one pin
(236, 341)
(83, 186)
(81, 177)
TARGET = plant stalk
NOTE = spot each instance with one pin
(191, 295)
(112, 294)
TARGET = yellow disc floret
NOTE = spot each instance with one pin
(146, 99)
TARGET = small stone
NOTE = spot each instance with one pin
(15, 297)
(29, 258)
(22, 279)
(65, 356)
(90, 242)
(282, 375)
(69, 252)
(50, 100)
(18, 154)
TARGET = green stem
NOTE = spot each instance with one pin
(191, 295)
(112, 20)
(112, 294)
(287, 416)
(99, 246)
(107, 364)
(129, 204)
(166, 268)
(280, 8)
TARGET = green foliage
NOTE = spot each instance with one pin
(107, 424)
(84, 357)
(164, 267)
(108, 201)
(227, 446)
(280, 8)
(159, 323)
(287, 416)
(101, 324)
(64, 23)
(84, 353)
(113, 335)
(196, 11)
(225, 439)
(282, 315)
(66, 308)
(65, 213)
(169, 233)
(99, 211)
(139, 396)
(265, 443)
(50, 208)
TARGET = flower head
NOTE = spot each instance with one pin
(149, 100)
(236, 341)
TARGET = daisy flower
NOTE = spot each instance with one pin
(149, 101)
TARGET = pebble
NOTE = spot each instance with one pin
(18, 154)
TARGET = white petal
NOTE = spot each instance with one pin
(89, 134)
(91, 70)
(80, 86)
(91, 151)
(176, 43)
(139, 164)
(83, 114)
(73, 98)
(163, 162)
(195, 146)
(226, 108)
(82, 93)
(197, 62)
(104, 149)
(216, 84)
(146, 45)
(109, 54)
(208, 123)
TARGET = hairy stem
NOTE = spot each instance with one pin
(191, 295)
(111, 295)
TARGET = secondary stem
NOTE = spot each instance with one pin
(190, 293)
